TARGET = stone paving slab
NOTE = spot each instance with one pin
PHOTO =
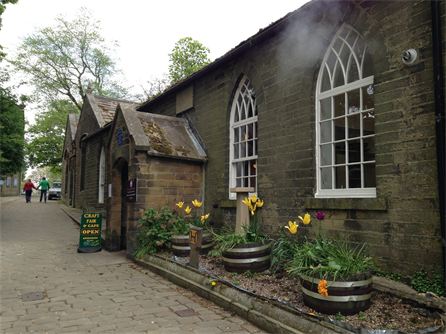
(88, 293)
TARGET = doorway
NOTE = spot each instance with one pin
(118, 206)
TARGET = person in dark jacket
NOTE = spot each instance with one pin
(28, 189)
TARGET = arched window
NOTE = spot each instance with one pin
(83, 145)
(101, 186)
(243, 138)
(345, 119)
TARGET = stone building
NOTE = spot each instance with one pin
(338, 106)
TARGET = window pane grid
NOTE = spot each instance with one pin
(345, 117)
(243, 171)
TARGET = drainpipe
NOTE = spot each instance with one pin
(439, 119)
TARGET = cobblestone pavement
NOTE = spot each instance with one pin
(47, 287)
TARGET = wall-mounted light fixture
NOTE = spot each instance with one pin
(409, 56)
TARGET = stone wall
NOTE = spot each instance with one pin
(87, 125)
(401, 226)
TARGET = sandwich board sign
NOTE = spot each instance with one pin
(90, 233)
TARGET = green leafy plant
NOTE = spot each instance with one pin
(228, 239)
(224, 241)
(154, 231)
(329, 260)
(422, 281)
(282, 252)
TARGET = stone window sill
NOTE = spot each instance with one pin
(366, 204)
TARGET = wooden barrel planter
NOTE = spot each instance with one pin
(180, 244)
(343, 297)
(253, 256)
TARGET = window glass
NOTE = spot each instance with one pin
(326, 131)
(326, 155)
(326, 178)
(354, 126)
(339, 105)
(243, 158)
(339, 124)
(346, 119)
(325, 109)
(340, 177)
(354, 151)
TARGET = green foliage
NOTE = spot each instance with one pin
(422, 281)
(329, 259)
(389, 275)
(62, 60)
(282, 252)
(187, 57)
(12, 125)
(228, 239)
(46, 136)
(3, 4)
(154, 231)
(224, 241)
(180, 226)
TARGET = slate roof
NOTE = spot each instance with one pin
(105, 107)
(162, 135)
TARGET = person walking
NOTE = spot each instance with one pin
(28, 189)
(44, 185)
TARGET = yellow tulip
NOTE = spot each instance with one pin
(197, 203)
(253, 199)
(187, 210)
(246, 201)
(204, 218)
(306, 219)
(259, 203)
(180, 204)
(292, 227)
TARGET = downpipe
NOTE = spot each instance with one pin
(440, 127)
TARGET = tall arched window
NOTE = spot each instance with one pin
(345, 119)
(243, 138)
(83, 145)
(101, 186)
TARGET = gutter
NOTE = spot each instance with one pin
(440, 127)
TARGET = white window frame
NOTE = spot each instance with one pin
(101, 179)
(232, 125)
(347, 87)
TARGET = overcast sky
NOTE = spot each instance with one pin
(146, 31)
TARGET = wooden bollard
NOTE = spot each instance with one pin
(195, 242)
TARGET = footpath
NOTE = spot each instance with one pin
(47, 287)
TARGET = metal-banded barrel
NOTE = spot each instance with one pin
(254, 256)
(346, 298)
(180, 244)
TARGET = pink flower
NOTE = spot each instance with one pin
(320, 215)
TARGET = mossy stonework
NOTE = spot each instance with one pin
(401, 225)
(182, 150)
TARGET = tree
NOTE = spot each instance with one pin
(2, 10)
(46, 136)
(12, 124)
(154, 87)
(187, 57)
(3, 4)
(63, 60)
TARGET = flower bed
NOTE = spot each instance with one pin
(386, 311)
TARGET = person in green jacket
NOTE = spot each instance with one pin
(44, 185)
